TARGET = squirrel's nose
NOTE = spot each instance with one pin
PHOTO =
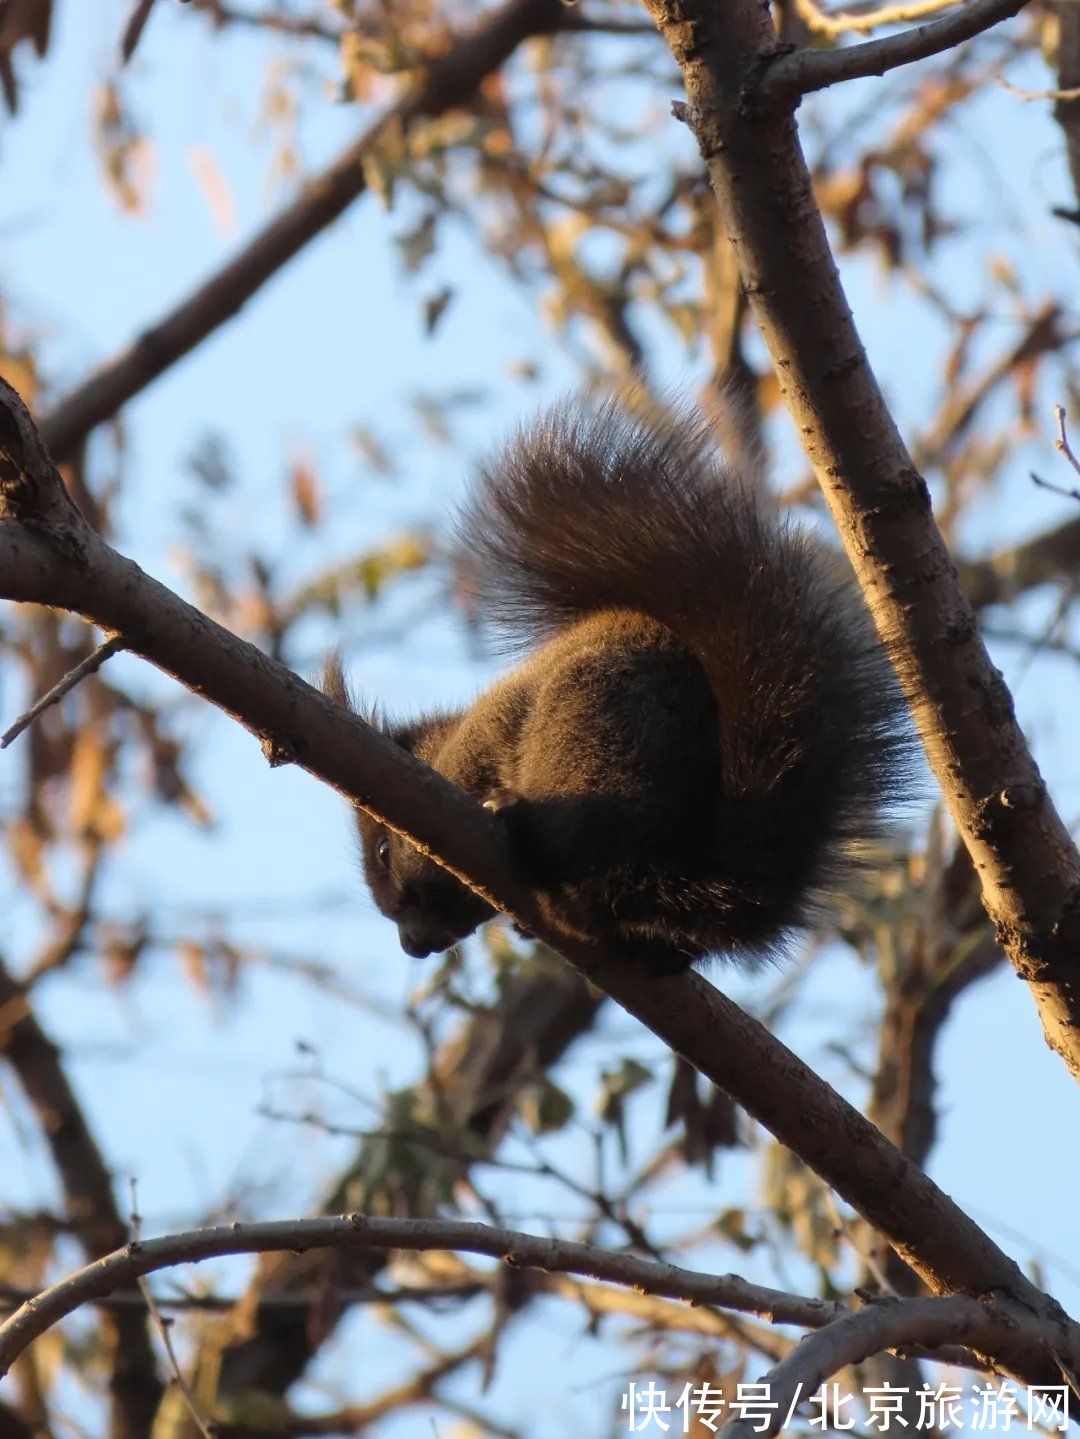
(420, 937)
(413, 945)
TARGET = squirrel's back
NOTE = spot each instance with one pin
(593, 510)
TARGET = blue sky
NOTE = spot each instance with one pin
(336, 341)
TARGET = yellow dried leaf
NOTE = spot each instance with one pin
(27, 848)
(89, 766)
(193, 963)
(306, 491)
(215, 190)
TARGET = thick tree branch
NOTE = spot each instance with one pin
(951, 949)
(1067, 111)
(1048, 558)
(984, 1326)
(88, 1196)
(65, 563)
(1028, 866)
(799, 73)
(887, 1324)
(449, 82)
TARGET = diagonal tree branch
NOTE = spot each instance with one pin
(50, 556)
(1048, 558)
(888, 1324)
(1028, 866)
(450, 81)
(88, 1195)
(789, 77)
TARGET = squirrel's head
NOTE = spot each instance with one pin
(431, 908)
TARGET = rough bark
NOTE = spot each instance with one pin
(48, 554)
(1027, 864)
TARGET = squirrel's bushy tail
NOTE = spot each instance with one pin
(593, 509)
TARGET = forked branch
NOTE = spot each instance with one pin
(60, 561)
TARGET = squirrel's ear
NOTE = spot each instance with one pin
(405, 735)
(333, 683)
(335, 686)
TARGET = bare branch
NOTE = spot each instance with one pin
(134, 26)
(449, 81)
(862, 20)
(300, 27)
(1061, 444)
(162, 1325)
(88, 1197)
(790, 76)
(606, 25)
(986, 1325)
(71, 679)
(476, 1075)
(885, 1324)
(69, 565)
(1041, 335)
(1073, 94)
(1029, 867)
(358, 1418)
(1067, 110)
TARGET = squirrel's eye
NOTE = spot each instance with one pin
(382, 852)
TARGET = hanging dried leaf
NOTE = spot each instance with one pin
(418, 244)
(215, 190)
(371, 450)
(120, 949)
(305, 491)
(126, 155)
(545, 1107)
(435, 307)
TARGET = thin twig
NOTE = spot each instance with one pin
(1061, 444)
(300, 27)
(133, 28)
(71, 679)
(843, 22)
(1054, 489)
(163, 1325)
(14, 1296)
(1036, 94)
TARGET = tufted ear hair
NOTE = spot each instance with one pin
(333, 683)
(335, 686)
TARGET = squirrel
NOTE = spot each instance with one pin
(706, 729)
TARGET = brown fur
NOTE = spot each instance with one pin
(707, 726)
